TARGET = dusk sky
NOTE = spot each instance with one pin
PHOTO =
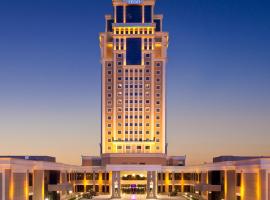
(218, 78)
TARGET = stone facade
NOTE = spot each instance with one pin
(212, 181)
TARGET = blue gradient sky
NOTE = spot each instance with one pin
(218, 77)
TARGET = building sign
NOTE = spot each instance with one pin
(133, 1)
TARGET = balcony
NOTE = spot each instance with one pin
(207, 187)
(60, 187)
(120, 25)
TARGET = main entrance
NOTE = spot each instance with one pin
(133, 189)
(133, 182)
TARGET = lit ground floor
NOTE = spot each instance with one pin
(42, 180)
(137, 197)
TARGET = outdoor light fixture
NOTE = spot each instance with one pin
(151, 185)
(115, 184)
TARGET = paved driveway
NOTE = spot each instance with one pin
(138, 197)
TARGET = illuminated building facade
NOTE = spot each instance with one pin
(134, 156)
(133, 55)
(239, 179)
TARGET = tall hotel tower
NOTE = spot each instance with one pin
(133, 56)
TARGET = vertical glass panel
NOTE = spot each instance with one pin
(148, 14)
(134, 14)
(119, 14)
(158, 25)
(134, 51)
(109, 25)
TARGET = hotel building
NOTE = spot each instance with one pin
(133, 56)
(133, 157)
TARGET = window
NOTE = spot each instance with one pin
(147, 14)
(238, 180)
(134, 55)
(134, 14)
(158, 25)
(89, 176)
(109, 25)
(119, 14)
(177, 176)
(79, 176)
(30, 179)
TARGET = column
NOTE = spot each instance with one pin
(151, 185)
(204, 182)
(116, 184)
(1, 185)
(263, 184)
(173, 181)
(38, 185)
(94, 181)
(63, 180)
(20, 186)
(230, 184)
(8, 185)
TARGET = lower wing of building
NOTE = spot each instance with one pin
(25, 179)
